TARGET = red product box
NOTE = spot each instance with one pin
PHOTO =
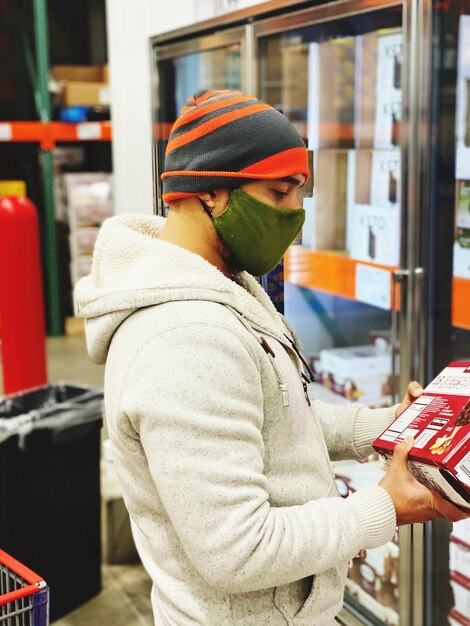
(439, 422)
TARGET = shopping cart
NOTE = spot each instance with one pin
(24, 596)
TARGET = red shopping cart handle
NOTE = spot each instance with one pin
(20, 569)
(36, 583)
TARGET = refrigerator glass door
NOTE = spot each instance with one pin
(183, 69)
(339, 82)
(448, 545)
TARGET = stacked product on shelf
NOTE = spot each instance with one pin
(67, 159)
(462, 230)
(373, 213)
(89, 203)
(459, 568)
(81, 85)
(373, 578)
(359, 373)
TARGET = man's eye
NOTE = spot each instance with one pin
(279, 194)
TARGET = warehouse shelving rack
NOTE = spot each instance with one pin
(47, 133)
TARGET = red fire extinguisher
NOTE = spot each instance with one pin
(22, 324)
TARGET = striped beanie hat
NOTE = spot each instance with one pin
(225, 138)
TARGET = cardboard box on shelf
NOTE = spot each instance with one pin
(82, 84)
(377, 574)
(378, 89)
(461, 260)
(85, 94)
(373, 213)
(89, 198)
(90, 214)
(376, 177)
(388, 91)
(360, 164)
(66, 159)
(439, 422)
(366, 80)
(330, 200)
(360, 360)
(79, 73)
(82, 241)
(462, 199)
(384, 613)
(385, 178)
(374, 233)
(381, 339)
(294, 88)
(331, 100)
(74, 326)
(80, 267)
(462, 112)
(359, 373)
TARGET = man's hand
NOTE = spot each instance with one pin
(415, 503)
(413, 392)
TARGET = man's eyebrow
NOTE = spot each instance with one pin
(291, 180)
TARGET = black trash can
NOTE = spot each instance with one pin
(50, 488)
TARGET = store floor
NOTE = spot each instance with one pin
(124, 601)
(125, 598)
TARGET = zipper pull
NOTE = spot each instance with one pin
(301, 357)
(284, 394)
(266, 347)
(304, 385)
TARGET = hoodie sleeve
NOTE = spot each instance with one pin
(199, 418)
(350, 430)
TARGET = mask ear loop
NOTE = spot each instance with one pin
(206, 208)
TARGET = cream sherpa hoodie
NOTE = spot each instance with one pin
(225, 466)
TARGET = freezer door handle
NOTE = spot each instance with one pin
(399, 279)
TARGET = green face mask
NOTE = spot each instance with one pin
(256, 233)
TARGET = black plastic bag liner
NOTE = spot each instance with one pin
(50, 439)
(63, 410)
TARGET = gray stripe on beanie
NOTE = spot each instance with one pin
(181, 130)
(234, 146)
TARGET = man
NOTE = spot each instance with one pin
(224, 460)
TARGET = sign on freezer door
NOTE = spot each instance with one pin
(389, 95)
(462, 121)
(374, 233)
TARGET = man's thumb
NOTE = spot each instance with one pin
(401, 450)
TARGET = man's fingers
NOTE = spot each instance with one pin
(401, 450)
(447, 510)
(414, 389)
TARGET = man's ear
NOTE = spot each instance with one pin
(208, 198)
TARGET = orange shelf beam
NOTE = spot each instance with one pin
(330, 272)
(330, 132)
(460, 303)
(49, 133)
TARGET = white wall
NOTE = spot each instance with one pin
(130, 25)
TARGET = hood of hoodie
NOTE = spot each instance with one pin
(132, 268)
